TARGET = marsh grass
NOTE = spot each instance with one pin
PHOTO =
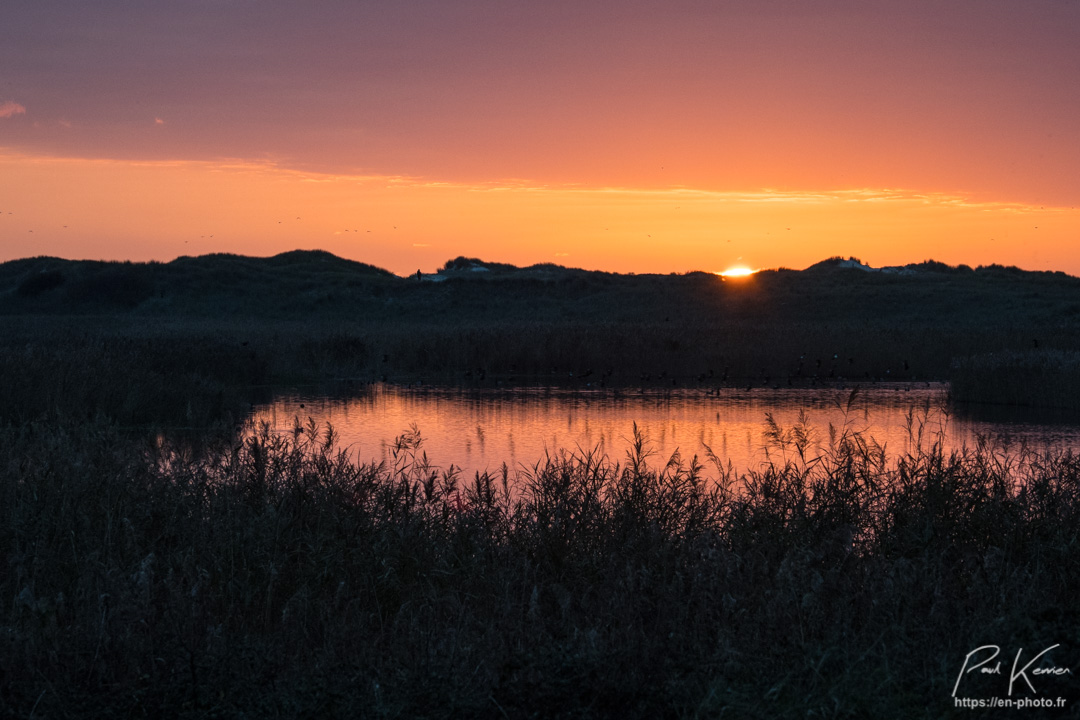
(142, 372)
(1035, 377)
(273, 574)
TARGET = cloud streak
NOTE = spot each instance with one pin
(11, 109)
(626, 229)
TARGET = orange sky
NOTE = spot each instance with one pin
(620, 136)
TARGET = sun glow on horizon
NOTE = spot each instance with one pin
(128, 210)
(737, 271)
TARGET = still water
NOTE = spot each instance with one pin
(480, 429)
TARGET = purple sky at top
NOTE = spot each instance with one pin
(970, 96)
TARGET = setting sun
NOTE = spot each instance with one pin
(413, 354)
(403, 137)
(739, 271)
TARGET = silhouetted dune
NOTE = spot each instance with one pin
(303, 282)
(309, 315)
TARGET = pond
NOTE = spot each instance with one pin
(475, 430)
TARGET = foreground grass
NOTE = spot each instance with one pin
(275, 575)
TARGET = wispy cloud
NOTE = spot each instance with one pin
(158, 121)
(11, 109)
(563, 192)
(757, 196)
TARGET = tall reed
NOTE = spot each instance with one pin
(275, 574)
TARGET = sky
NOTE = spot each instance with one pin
(626, 136)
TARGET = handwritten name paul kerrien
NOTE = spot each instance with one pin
(1023, 673)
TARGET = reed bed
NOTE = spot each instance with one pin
(1035, 377)
(138, 371)
(275, 575)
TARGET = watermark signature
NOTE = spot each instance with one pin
(1027, 675)
(1023, 703)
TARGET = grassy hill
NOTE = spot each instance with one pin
(296, 284)
(227, 321)
(205, 285)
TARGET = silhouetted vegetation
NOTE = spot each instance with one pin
(124, 286)
(36, 283)
(223, 572)
(232, 322)
(300, 284)
(277, 576)
(1042, 378)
